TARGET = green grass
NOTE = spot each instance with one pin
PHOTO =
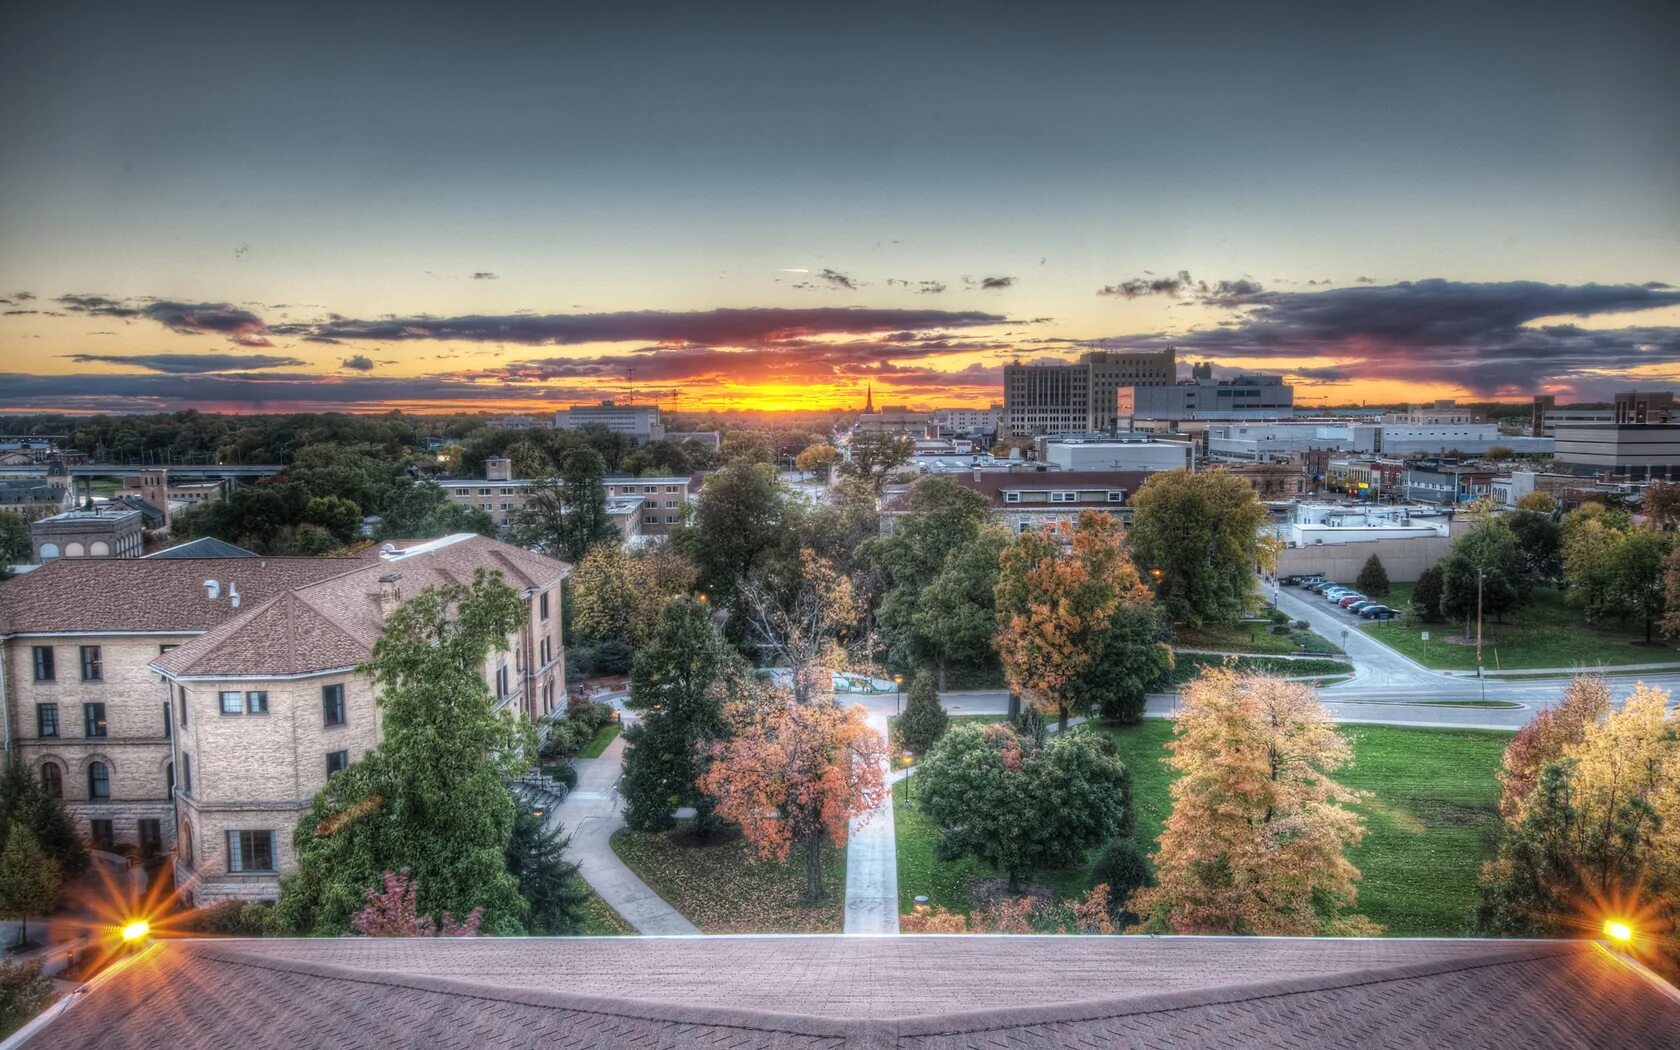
(1502, 704)
(603, 737)
(1548, 632)
(1189, 665)
(1431, 820)
(1253, 636)
(600, 920)
(725, 888)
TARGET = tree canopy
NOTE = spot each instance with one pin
(1201, 534)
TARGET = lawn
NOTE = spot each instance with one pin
(1250, 636)
(1548, 632)
(603, 737)
(1431, 821)
(724, 888)
(599, 919)
(1189, 665)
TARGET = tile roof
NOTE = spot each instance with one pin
(333, 623)
(917, 993)
(147, 594)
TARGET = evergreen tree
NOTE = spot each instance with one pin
(1487, 556)
(924, 720)
(548, 882)
(1373, 578)
(22, 799)
(677, 686)
(1426, 595)
(430, 798)
(29, 879)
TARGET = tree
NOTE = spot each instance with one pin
(818, 459)
(996, 796)
(1636, 587)
(738, 524)
(924, 720)
(956, 613)
(1660, 503)
(1487, 556)
(1547, 738)
(1124, 868)
(15, 548)
(392, 911)
(1426, 595)
(1373, 578)
(802, 627)
(1499, 454)
(1590, 538)
(1076, 630)
(339, 517)
(430, 796)
(423, 511)
(1540, 538)
(941, 517)
(23, 800)
(1541, 502)
(24, 992)
(747, 446)
(583, 493)
(1199, 535)
(613, 596)
(1599, 835)
(793, 775)
(548, 882)
(29, 879)
(875, 455)
(1257, 837)
(677, 685)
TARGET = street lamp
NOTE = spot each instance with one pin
(898, 694)
(1618, 931)
(909, 791)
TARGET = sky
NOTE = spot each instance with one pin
(512, 208)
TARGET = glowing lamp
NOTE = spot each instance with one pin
(135, 931)
(1618, 931)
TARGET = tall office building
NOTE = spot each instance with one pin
(1080, 397)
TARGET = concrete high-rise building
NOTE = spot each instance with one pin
(639, 423)
(1081, 397)
(1244, 396)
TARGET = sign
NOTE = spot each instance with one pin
(1426, 636)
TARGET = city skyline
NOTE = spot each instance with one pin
(440, 211)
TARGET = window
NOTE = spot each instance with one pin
(501, 682)
(183, 706)
(332, 705)
(52, 779)
(650, 519)
(1012, 497)
(93, 717)
(44, 663)
(256, 703)
(186, 772)
(46, 719)
(250, 851)
(670, 519)
(542, 605)
(1116, 497)
(99, 780)
(168, 730)
(103, 835)
(93, 666)
(184, 845)
(233, 703)
(1063, 497)
(337, 760)
(151, 837)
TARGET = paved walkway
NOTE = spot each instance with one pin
(592, 813)
(872, 863)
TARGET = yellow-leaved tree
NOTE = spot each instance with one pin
(1257, 839)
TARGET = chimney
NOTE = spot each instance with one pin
(390, 594)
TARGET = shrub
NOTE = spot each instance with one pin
(1280, 628)
(24, 992)
(1302, 625)
(924, 720)
(1123, 867)
(566, 737)
(1277, 616)
(230, 918)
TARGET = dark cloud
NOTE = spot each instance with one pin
(240, 325)
(1482, 336)
(995, 283)
(97, 306)
(839, 280)
(280, 391)
(359, 362)
(189, 364)
(16, 313)
(1364, 280)
(1182, 284)
(485, 275)
(1141, 286)
(23, 297)
(322, 339)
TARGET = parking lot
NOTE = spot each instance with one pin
(1335, 612)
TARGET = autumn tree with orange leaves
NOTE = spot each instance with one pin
(1257, 839)
(1546, 738)
(1077, 626)
(794, 774)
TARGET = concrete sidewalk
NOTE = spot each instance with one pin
(592, 813)
(872, 863)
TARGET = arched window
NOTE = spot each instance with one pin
(184, 844)
(99, 780)
(52, 779)
(99, 549)
(73, 550)
(49, 551)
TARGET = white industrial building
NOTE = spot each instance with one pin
(1261, 440)
(1126, 452)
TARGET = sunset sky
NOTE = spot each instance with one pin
(425, 206)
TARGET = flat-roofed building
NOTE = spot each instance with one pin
(1123, 452)
(1245, 395)
(108, 532)
(1026, 499)
(639, 423)
(1636, 451)
(1081, 396)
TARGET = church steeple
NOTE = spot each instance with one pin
(868, 399)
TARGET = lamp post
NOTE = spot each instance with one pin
(909, 791)
(898, 695)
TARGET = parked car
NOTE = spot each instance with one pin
(1336, 594)
(1378, 612)
(1360, 606)
(1320, 586)
(1349, 599)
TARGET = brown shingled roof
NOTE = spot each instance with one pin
(146, 594)
(334, 623)
(927, 993)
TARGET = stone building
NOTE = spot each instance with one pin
(109, 532)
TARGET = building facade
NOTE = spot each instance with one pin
(1636, 451)
(639, 423)
(1080, 397)
(110, 532)
(1245, 395)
